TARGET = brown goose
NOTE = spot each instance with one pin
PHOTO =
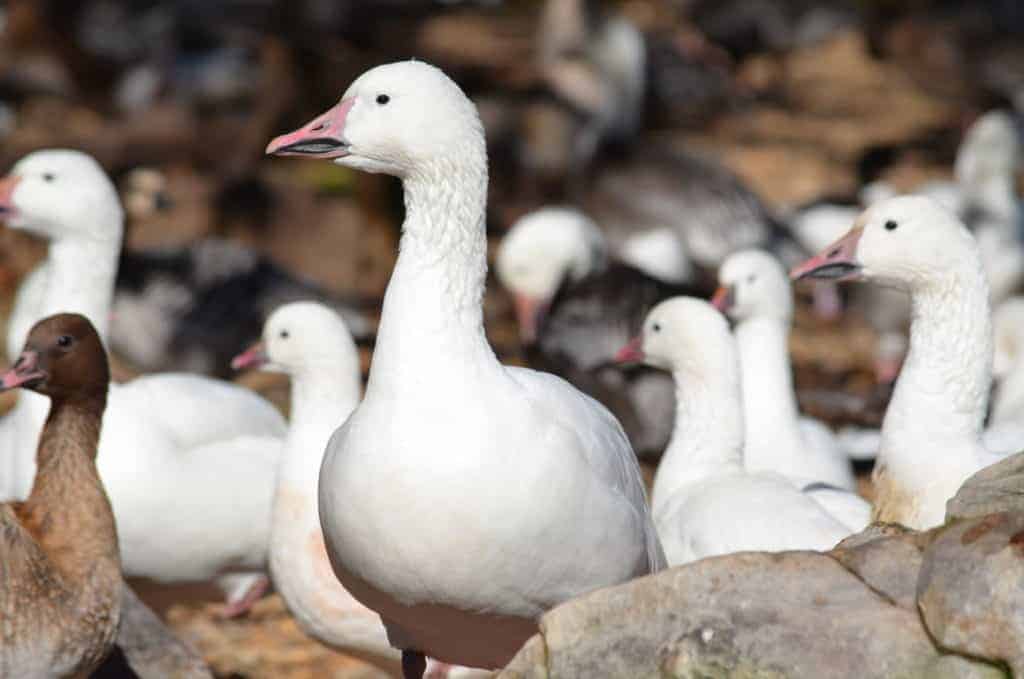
(60, 574)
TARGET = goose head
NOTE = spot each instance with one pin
(683, 335)
(909, 242)
(401, 119)
(302, 338)
(990, 150)
(541, 251)
(753, 284)
(61, 193)
(63, 358)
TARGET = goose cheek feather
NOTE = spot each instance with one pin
(836, 262)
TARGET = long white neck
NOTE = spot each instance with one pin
(322, 398)
(943, 389)
(769, 404)
(80, 278)
(708, 436)
(431, 327)
(997, 197)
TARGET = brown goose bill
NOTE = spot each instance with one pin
(322, 137)
(24, 373)
(837, 262)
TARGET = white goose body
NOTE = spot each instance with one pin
(756, 294)
(931, 437)
(485, 494)
(704, 502)
(168, 441)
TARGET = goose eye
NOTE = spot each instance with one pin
(656, 327)
(383, 99)
(891, 225)
(751, 278)
(49, 176)
(283, 334)
(64, 341)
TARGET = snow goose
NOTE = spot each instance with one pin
(755, 292)
(503, 467)
(61, 588)
(1008, 362)
(704, 502)
(576, 308)
(931, 438)
(596, 61)
(177, 519)
(311, 343)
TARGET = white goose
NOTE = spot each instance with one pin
(168, 441)
(931, 438)
(704, 502)
(1008, 362)
(485, 494)
(755, 293)
(311, 343)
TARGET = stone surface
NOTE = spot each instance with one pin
(887, 557)
(996, 488)
(149, 646)
(971, 588)
(743, 615)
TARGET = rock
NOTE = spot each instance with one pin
(742, 615)
(887, 557)
(971, 587)
(996, 488)
(150, 648)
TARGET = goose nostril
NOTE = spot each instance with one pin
(834, 253)
(318, 127)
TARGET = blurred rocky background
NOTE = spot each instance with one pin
(802, 99)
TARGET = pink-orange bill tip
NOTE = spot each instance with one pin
(632, 352)
(253, 357)
(837, 262)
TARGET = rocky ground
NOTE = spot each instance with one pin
(888, 602)
(798, 123)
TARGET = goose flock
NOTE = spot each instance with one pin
(424, 523)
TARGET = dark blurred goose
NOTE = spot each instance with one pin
(576, 306)
(190, 308)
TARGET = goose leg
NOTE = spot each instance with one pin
(249, 588)
(414, 664)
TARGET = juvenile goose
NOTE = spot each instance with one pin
(60, 580)
(488, 468)
(575, 308)
(704, 502)
(755, 293)
(311, 343)
(931, 435)
(177, 519)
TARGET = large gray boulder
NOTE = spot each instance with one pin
(971, 588)
(996, 488)
(796, 614)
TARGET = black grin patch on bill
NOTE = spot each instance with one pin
(313, 146)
